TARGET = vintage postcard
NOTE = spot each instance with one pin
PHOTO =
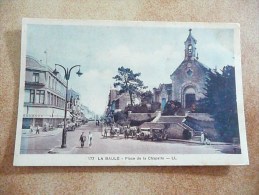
(121, 93)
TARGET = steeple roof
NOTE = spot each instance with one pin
(190, 38)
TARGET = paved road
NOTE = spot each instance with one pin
(111, 145)
(41, 144)
(119, 145)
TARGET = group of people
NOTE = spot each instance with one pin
(97, 123)
(37, 131)
(82, 139)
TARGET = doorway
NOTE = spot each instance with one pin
(163, 103)
(189, 100)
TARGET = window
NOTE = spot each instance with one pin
(52, 101)
(32, 96)
(52, 83)
(189, 72)
(190, 48)
(49, 98)
(35, 77)
(55, 100)
(49, 82)
(27, 95)
(40, 97)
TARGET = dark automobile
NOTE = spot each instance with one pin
(70, 126)
(144, 134)
(158, 134)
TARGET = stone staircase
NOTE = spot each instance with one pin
(196, 134)
(196, 138)
(158, 115)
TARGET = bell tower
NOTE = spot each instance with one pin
(190, 47)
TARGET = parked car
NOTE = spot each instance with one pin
(78, 123)
(84, 120)
(70, 126)
(158, 134)
(133, 131)
(47, 127)
(144, 134)
(61, 125)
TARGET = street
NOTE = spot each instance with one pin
(111, 145)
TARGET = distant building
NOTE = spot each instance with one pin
(118, 102)
(74, 105)
(44, 99)
(163, 94)
(187, 81)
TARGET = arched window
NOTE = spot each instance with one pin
(189, 49)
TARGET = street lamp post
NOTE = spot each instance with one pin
(67, 76)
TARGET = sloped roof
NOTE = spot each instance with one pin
(152, 125)
(171, 119)
(141, 116)
(32, 63)
(190, 37)
(200, 116)
(118, 97)
(185, 62)
(168, 87)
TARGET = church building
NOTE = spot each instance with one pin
(187, 81)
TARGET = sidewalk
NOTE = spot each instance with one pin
(176, 140)
(198, 142)
(59, 150)
(27, 133)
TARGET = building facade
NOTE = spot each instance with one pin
(74, 106)
(44, 99)
(163, 94)
(118, 102)
(187, 81)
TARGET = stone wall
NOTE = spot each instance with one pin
(181, 80)
(175, 131)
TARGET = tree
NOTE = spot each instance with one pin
(171, 108)
(220, 102)
(128, 82)
(146, 97)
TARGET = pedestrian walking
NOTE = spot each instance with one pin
(82, 139)
(105, 132)
(202, 138)
(38, 130)
(31, 128)
(126, 133)
(90, 138)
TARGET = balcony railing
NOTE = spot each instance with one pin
(34, 83)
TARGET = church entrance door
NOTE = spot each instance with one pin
(163, 103)
(189, 100)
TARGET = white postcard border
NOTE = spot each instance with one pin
(140, 159)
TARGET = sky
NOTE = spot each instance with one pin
(154, 51)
